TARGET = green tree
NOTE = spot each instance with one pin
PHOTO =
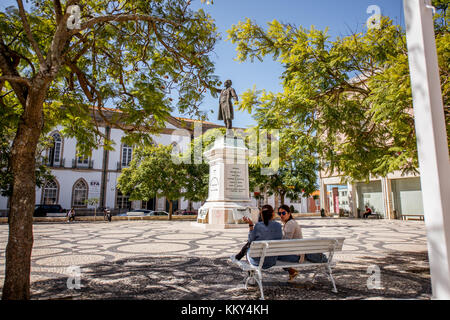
(153, 173)
(347, 100)
(93, 202)
(194, 166)
(292, 171)
(296, 174)
(197, 181)
(62, 62)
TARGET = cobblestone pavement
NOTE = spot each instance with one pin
(175, 260)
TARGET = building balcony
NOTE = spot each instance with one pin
(59, 164)
(82, 165)
(121, 166)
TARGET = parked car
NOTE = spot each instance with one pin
(189, 213)
(159, 213)
(186, 213)
(41, 210)
(139, 213)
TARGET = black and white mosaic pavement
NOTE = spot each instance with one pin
(174, 260)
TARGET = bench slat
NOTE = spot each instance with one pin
(298, 242)
(295, 246)
(302, 240)
(256, 254)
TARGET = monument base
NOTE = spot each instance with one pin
(228, 193)
(226, 214)
(219, 226)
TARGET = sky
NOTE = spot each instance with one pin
(342, 17)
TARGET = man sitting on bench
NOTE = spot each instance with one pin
(367, 213)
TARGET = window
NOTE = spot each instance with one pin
(82, 161)
(54, 153)
(127, 153)
(80, 194)
(50, 192)
(123, 201)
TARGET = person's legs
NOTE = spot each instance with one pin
(228, 123)
(253, 261)
(243, 251)
(290, 258)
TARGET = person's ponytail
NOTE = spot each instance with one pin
(267, 213)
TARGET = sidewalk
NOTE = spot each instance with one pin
(172, 260)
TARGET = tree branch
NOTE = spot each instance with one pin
(123, 18)
(8, 69)
(58, 11)
(30, 37)
(16, 79)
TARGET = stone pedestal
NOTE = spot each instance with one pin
(229, 197)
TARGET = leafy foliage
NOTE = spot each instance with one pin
(134, 56)
(347, 101)
(152, 173)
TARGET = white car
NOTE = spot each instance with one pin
(159, 213)
(139, 213)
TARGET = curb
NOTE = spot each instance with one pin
(4, 220)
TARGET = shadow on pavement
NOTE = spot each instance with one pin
(404, 275)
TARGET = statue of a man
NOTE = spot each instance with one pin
(226, 112)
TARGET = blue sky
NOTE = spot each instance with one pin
(341, 16)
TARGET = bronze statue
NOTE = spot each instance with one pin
(226, 112)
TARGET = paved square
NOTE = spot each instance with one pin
(174, 260)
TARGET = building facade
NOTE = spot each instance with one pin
(89, 183)
(391, 197)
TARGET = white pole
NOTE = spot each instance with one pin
(431, 140)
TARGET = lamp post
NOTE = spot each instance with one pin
(432, 144)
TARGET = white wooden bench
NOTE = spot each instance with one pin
(270, 248)
(412, 217)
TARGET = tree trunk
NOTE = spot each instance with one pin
(266, 196)
(170, 209)
(23, 165)
(275, 195)
(282, 195)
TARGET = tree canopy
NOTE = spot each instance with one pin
(135, 56)
(348, 100)
(64, 62)
(152, 173)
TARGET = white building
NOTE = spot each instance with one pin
(77, 180)
(392, 197)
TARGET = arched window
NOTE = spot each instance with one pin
(54, 153)
(50, 192)
(80, 193)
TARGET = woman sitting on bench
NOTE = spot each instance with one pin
(291, 230)
(265, 230)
